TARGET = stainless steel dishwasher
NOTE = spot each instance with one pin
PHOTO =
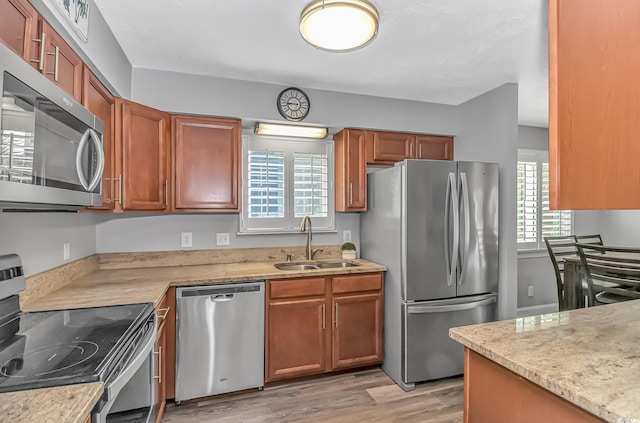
(220, 339)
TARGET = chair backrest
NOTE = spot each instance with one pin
(589, 239)
(560, 247)
(612, 273)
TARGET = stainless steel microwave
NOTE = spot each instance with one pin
(51, 154)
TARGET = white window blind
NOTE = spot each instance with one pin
(534, 219)
(285, 180)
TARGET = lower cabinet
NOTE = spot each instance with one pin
(318, 325)
(164, 353)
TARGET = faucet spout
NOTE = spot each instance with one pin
(306, 222)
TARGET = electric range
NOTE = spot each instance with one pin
(112, 344)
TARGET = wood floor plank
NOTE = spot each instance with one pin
(368, 396)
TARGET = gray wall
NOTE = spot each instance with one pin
(38, 237)
(101, 52)
(162, 233)
(489, 132)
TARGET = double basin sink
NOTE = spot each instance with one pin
(312, 265)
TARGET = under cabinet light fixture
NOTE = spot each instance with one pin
(339, 25)
(275, 129)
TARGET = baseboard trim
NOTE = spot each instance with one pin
(537, 309)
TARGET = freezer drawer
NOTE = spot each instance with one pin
(220, 339)
(428, 352)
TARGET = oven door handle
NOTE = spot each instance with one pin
(116, 386)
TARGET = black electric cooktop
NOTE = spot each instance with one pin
(50, 348)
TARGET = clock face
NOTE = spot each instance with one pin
(293, 104)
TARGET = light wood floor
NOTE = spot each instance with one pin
(368, 396)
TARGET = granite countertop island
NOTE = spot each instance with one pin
(588, 357)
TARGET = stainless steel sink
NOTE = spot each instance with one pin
(312, 265)
(336, 264)
(292, 266)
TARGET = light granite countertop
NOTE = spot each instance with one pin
(68, 404)
(590, 357)
(103, 287)
(149, 284)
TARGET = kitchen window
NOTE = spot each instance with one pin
(535, 220)
(285, 180)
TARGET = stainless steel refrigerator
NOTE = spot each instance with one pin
(434, 224)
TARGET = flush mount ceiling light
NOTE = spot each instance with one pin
(339, 25)
(274, 129)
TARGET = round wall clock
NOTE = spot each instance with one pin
(293, 104)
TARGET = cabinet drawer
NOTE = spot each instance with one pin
(296, 288)
(359, 283)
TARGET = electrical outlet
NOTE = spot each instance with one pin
(186, 240)
(222, 239)
(66, 251)
(346, 236)
(530, 291)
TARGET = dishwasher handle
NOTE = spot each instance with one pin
(219, 298)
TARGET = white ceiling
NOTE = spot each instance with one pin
(441, 51)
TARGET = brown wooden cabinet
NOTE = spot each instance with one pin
(387, 148)
(164, 353)
(594, 101)
(61, 64)
(350, 171)
(493, 393)
(142, 151)
(100, 102)
(206, 163)
(318, 325)
(357, 320)
(19, 28)
(433, 147)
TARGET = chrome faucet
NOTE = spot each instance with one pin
(303, 227)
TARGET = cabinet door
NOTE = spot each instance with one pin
(388, 147)
(296, 338)
(433, 147)
(144, 150)
(594, 101)
(357, 330)
(101, 103)
(351, 171)
(160, 373)
(206, 163)
(19, 27)
(61, 64)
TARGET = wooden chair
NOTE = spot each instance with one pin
(589, 239)
(612, 273)
(560, 247)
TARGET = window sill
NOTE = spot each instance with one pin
(527, 254)
(287, 232)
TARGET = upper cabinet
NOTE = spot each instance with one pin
(142, 151)
(594, 104)
(101, 103)
(351, 171)
(386, 148)
(206, 163)
(19, 28)
(61, 64)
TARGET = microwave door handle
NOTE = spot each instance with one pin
(81, 144)
(97, 177)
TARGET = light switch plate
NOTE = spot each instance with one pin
(186, 240)
(66, 251)
(530, 291)
(222, 239)
(346, 236)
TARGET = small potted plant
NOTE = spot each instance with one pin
(348, 250)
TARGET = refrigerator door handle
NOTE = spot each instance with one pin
(422, 309)
(467, 222)
(451, 204)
